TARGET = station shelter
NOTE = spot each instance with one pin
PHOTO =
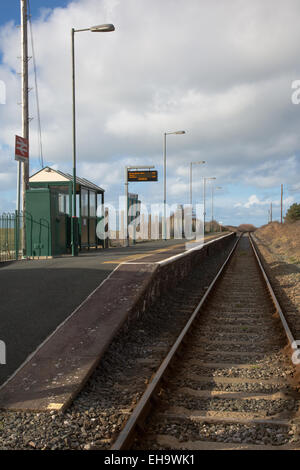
(49, 213)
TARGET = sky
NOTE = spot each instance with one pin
(221, 71)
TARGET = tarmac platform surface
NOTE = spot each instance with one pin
(38, 295)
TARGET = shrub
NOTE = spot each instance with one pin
(246, 228)
(293, 213)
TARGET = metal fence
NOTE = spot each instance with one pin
(10, 236)
(11, 230)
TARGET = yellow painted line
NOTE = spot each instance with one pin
(141, 255)
(150, 253)
(55, 406)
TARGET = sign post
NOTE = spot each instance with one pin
(21, 156)
(136, 173)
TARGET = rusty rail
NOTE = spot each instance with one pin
(139, 414)
(285, 325)
(143, 407)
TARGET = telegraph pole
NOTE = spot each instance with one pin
(191, 185)
(281, 198)
(212, 206)
(204, 208)
(25, 110)
(204, 213)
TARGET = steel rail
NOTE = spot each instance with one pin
(285, 325)
(140, 412)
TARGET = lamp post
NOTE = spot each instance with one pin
(165, 176)
(204, 208)
(212, 203)
(149, 167)
(103, 28)
(191, 179)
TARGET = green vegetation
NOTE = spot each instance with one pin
(293, 213)
(246, 228)
(294, 260)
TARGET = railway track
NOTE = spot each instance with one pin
(228, 382)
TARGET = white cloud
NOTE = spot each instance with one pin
(221, 71)
(253, 200)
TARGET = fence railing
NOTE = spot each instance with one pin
(11, 230)
(10, 236)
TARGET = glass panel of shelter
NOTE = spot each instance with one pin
(92, 218)
(88, 214)
(63, 203)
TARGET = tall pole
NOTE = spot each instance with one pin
(191, 180)
(165, 178)
(25, 116)
(19, 175)
(213, 189)
(271, 215)
(191, 183)
(281, 199)
(204, 182)
(165, 185)
(212, 206)
(73, 225)
(126, 208)
(127, 195)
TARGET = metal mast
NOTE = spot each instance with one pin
(281, 197)
(25, 108)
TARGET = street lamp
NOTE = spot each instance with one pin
(149, 167)
(212, 203)
(165, 176)
(191, 183)
(103, 28)
(204, 184)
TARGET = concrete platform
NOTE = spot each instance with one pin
(38, 295)
(55, 373)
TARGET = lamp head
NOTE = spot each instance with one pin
(102, 28)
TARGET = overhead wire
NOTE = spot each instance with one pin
(40, 144)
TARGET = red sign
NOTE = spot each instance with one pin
(22, 149)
